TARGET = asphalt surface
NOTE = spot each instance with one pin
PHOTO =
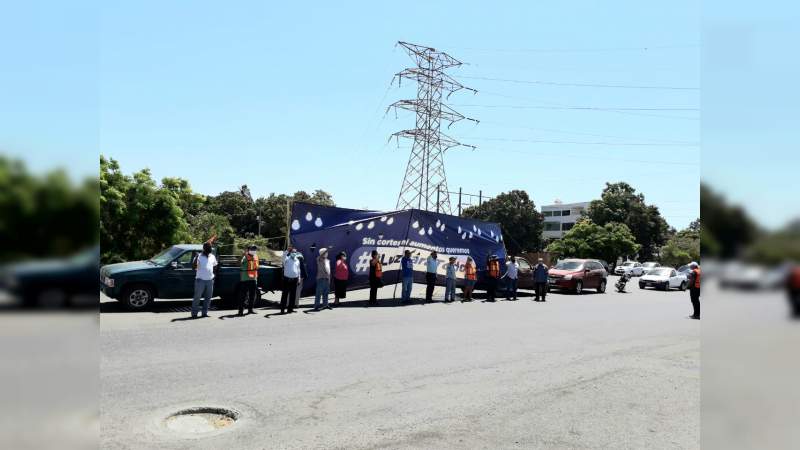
(591, 371)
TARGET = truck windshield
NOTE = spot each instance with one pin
(569, 265)
(165, 257)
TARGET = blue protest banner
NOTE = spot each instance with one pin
(357, 233)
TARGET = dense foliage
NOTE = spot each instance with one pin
(45, 216)
(619, 203)
(683, 247)
(590, 240)
(516, 213)
(139, 217)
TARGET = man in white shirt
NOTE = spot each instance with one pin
(291, 273)
(511, 276)
(206, 267)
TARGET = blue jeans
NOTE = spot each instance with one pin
(205, 289)
(323, 289)
(450, 290)
(408, 283)
(511, 288)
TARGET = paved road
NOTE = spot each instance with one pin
(597, 370)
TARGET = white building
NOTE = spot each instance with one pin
(560, 217)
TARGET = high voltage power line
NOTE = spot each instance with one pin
(593, 85)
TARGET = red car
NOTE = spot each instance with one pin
(578, 274)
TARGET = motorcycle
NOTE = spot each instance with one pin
(623, 280)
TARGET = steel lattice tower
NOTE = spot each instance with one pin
(425, 183)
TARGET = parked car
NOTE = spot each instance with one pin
(53, 283)
(663, 278)
(633, 268)
(752, 277)
(170, 274)
(578, 274)
(605, 266)
(648, 266)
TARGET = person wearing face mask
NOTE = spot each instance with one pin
(248, 280)
(206, 267)
(323, 280)
(341, 273)
(291, 273)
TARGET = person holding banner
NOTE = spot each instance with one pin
(450, 281)
(341, 273)
(470, 277)
(430, 276)
(492, 276)
(375, 277)
(407, 266)
(323, 280)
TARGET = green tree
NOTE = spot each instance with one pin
(138, 218)
(776, 247)
(207, 224)
(726, 229)
(273, 211)
(683, 247)
(45, 215)
(589, 240)
(622, 204)
(516, 212)
(238, 207)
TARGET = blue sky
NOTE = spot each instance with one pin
(286, 97)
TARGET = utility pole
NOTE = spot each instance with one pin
(425, 169)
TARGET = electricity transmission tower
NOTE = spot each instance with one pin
(425, 184)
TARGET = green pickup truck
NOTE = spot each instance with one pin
(170, 275)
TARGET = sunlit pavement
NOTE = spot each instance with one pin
(595, 370)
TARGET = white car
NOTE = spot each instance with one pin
(664, 278)
(633, 268)
(648, 266)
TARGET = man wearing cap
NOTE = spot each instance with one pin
(450, 281)
(694, 289)
(291, 272)
(248, 280)
(540, 273)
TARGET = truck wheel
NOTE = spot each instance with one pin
(601, 289)
(579, 287)
(137, 297)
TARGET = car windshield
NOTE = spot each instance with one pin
(165, 257)
(661, 272)
(683, 269)
(629, 264)
(650, 264)
(569, 265)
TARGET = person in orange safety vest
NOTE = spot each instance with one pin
(492, 275)
(248, 287)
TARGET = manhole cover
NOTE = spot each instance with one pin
(201, 420)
